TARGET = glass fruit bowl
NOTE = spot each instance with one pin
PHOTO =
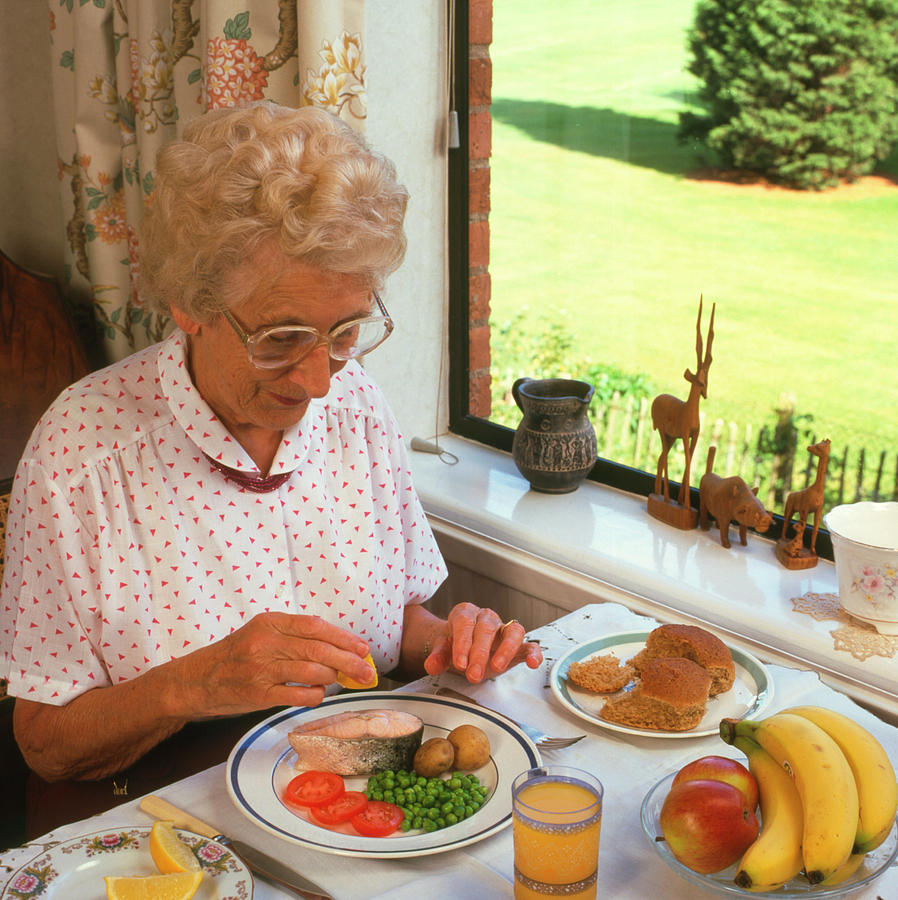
(874, 865)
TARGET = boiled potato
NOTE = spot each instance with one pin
(472, 747)
(434, 757)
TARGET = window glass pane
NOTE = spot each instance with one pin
(605, 231)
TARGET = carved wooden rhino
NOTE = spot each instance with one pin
(730, 500)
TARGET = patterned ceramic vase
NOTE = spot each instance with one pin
(554, 446)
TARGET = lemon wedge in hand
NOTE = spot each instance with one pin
(169, 852)
(354, 685)
(174, 886)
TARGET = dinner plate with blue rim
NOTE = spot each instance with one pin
(261, 765)
(749, 696)
(77, 867)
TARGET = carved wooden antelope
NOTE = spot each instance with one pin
(808, 501)
(676, 419)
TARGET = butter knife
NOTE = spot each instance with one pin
(259, 863)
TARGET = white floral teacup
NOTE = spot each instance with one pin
(865, 545)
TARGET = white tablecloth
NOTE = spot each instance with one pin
(628, 868)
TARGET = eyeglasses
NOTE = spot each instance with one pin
(285, 345)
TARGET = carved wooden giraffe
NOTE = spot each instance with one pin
(676, 419)
(791, 552)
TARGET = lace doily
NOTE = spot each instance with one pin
(853, 636)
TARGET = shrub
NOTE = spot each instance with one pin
(609, 380)
(545, 349)
(781, 446)
(803, 92)
(536, 349)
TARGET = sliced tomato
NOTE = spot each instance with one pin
(377, 819)
(347, 805)
(314, 788)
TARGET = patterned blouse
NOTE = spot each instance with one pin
(128, 544)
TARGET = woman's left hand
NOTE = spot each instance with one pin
(478, 645)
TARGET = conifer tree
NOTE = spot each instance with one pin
(803, 92)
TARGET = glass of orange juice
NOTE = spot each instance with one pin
(557, 816)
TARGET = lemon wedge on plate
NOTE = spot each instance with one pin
(174, 886)
(169, 852)
(354, 685)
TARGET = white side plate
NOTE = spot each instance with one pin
(752, 690)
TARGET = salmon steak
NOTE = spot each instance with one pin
(357, 743)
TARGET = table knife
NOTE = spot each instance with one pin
(259, 863)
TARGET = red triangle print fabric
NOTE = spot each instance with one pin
(126, 546)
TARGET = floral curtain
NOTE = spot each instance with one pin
(129, 73)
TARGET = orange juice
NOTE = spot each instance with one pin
(556, 824)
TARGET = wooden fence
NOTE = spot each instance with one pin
(624, 433)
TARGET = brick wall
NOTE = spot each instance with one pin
(480, 78)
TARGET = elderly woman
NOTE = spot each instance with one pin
(222, 522)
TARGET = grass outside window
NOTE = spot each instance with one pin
(604, 226)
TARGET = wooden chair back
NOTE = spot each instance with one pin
(41, 353)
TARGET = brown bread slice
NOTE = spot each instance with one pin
(603, 674)
(671, 696)
(696, 644)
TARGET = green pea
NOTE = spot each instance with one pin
(432, 803)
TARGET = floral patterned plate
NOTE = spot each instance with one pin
(76, 868)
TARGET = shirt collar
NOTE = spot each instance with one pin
(209, 433)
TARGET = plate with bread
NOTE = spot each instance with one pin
(675, 681)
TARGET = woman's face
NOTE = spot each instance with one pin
(251, 401)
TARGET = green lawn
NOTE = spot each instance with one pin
(593, 213)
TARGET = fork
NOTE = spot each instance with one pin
(542, 740)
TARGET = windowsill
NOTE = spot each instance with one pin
(604, 539)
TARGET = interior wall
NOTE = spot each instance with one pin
(515, 584)
(465, 585)
(406, 79)
(30, 231)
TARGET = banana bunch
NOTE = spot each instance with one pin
(828, 795)
(775, 857)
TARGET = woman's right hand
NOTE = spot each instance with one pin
(275, 659)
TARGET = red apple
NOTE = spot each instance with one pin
(722, 768)
(707, 824)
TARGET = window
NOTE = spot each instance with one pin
(583, 233)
